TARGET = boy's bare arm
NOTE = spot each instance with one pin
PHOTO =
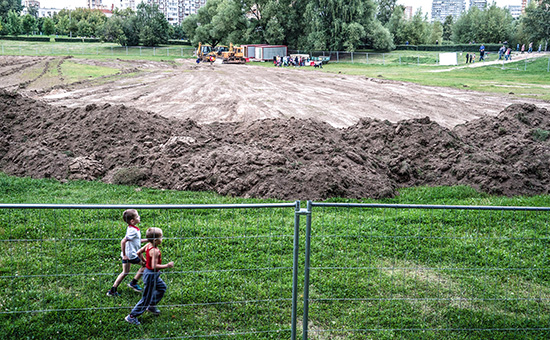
(154, 261)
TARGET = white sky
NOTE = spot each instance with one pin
(425, 4)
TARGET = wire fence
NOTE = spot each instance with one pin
(518, 61)
(95, 50)
(355, 271)
(429, 272)
(233, 271)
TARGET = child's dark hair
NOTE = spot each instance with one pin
(153, 234)
(128, 215)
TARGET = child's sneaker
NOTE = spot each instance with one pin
(111, 293)
(135, 287)
(132, 320)
(153, 310)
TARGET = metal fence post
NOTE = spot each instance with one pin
(367, 58)
(384, 58)
(306, 272)
(547, 67)
(154, 51)
(295, 269)
(140, 51)
(352, 57)
(126, 50)
(337, 57)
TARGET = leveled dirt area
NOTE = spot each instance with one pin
(265, 132)
(237, 93)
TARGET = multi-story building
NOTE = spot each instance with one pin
(31, 3)
(174, 10)
(515, 11)
(92, 4)
(443, 8)
(481, 4)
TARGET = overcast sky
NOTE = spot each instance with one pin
(425, 4)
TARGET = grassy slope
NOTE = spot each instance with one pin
(378, 269)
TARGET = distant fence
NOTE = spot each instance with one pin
(423, 58)
(354, 271)
(84, 49)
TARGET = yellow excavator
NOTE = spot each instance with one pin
(205, 52)
(234, 55)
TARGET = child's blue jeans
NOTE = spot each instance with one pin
(153, 291)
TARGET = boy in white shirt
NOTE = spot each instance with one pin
(129, 245)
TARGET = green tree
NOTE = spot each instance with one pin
(113, 31)
(85, 29)
(48, 26)
(327, 23)
(396, 25)
(448, 28)
(28, 24)
(9, 5)
(33, 10)
(380, 37)
(417, 30)
(13, 23)
(153, 27)
(465, 28)
(436, 34)
(536, 22)
(385, 10)
(219, 21)
(495, 25)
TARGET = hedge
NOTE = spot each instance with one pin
(80, 40)
(450, 48)
(25, 38)
(178, 42)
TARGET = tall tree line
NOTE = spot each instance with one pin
(302, 24)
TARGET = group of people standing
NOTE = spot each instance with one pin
(289, 61)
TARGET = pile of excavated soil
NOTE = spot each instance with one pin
(274, 158)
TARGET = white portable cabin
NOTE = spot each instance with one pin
(264, 52)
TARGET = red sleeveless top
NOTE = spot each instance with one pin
(149, 258)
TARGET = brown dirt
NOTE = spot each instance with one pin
(264, 132)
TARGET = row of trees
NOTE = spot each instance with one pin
(305, 24)
(146, 26)
(348, 25)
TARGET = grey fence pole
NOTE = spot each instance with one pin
(306, 272)
(126, 50)
(295, 269)
(367, 58)
(337, 57)
(417, 60)
(400, 59)
(168, 51)
(547, 67)
(140, 51)
(112, 52)
(525, 64)
(3, 52)
(384, 58)
(19, 50)
(154, 51)
(352, 57)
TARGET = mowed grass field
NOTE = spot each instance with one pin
(522, 78)
(376, 273)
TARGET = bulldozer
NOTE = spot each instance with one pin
(234, 55)
(205, 52)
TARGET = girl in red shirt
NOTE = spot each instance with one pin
(154, 288)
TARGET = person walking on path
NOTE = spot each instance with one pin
(530, 50)
(482, 52)
(522, 48)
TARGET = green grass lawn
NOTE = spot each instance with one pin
(375, 273)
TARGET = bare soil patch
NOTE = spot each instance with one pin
(264, 132)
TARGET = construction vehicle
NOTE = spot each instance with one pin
(234, 55)
(206, 53)
(219, 49)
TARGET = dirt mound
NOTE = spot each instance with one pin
(276, 158)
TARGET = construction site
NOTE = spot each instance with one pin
(255, 131)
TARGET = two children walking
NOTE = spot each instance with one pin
(149, 256)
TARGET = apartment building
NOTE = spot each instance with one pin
(443, 8)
